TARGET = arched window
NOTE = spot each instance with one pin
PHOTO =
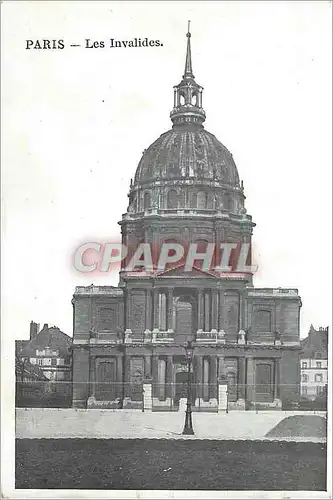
(228, 202)
(201, 200)
(172, 199)
(146, 201)
(181, 99)
(194, 100)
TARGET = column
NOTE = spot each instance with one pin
(221, 374)
(127, 388)
(128, 310)
(221, 307)
(277, 379)
(154, 370)
(222, 385)
(170, 309)
(213, 378)
(169, 376)
(161, 379)
(241, 311)
(147, 367)
(241, 387)
(155, 308)
(205, 376)
(120, 380)
(199, 373)
(92, 391)
(148, 309)
(215, 298)
(250, 388)
(200, 310)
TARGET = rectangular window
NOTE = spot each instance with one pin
(318, 364)
(318, 377)
(319, 390)
(54, 362)
(304, 364)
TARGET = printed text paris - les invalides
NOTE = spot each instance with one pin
(47, 44)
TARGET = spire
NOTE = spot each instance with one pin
(188, 63)
(187, 106)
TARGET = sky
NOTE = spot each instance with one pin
(76, 121)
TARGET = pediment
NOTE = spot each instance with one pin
(180, 271)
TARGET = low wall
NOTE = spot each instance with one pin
(99, 423)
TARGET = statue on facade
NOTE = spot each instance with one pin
(119, 335)
(92, 333)
(128, 336)
(277, 337)
(247, 332)
(241, 337)
(147, 335)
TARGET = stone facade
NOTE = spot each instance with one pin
(186, 190)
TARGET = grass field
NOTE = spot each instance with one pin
(169, 464)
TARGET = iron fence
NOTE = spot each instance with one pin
(165, 397)
(43, 394)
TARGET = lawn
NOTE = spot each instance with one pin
(169, 464)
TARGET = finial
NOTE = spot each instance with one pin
(188, 63)
(188, 28)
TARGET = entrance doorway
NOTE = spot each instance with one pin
(181, 387)
(184, 317)
(264, 382)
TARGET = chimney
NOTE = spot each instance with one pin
(33, 329)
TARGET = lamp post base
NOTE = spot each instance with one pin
(188, 431)
(188, 428)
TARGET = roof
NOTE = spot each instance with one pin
(51, 337)
(187, 152)
(315, 344)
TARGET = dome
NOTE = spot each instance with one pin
(186, 168)
(187, 152)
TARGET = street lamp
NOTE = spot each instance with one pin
(188, 428)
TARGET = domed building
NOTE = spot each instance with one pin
(129, 347)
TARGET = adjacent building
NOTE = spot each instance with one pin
(50, 350)
(27, 372)
(313, 363)
(186, 189)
